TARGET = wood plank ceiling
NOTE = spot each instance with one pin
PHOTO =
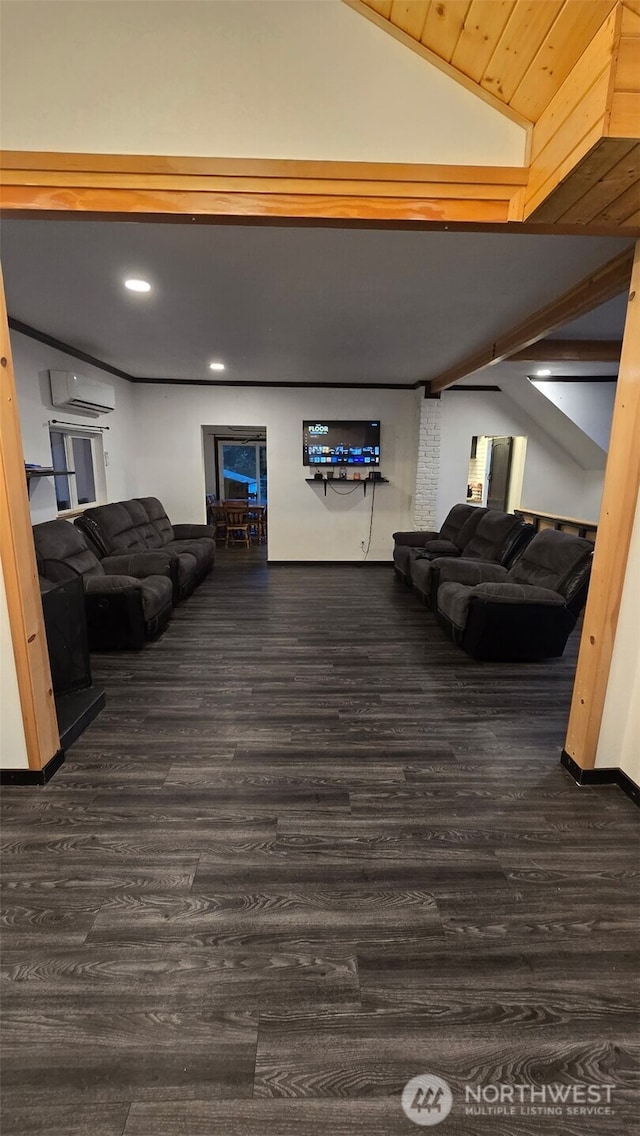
(517, 51)
(569, 69)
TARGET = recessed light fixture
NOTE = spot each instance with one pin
(216, 366)
(137, 285)
(543, 373)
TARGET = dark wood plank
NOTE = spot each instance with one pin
(309, 850)
(66, 1120)
(57, 1055)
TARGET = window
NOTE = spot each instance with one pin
(242, 470)
(79, 458)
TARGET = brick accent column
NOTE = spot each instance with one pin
(428, 465)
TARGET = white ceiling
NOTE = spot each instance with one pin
(292, 304)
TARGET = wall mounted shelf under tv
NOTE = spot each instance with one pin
(364, 481)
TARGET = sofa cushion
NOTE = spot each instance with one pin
(118, 528)
(139, 564)
(200, 551)
(453, 602)
(469, 572)
(491, 535)
(157, 517)
(517, 593)
(468, 530)
(62, 552)
(455, 520)
(202, 548)
(550, 560)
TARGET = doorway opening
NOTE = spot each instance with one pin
(235, 471)
(496, 471)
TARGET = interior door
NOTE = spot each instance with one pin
(499, 472)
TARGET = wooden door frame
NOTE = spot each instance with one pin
(26, 619)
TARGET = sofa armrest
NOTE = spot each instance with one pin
(436, 548)
(517, 594)
(139, 564)
(469, 572)
(192, 532)
(414, 539)
(109, 585)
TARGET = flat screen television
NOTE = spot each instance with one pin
(340, 443)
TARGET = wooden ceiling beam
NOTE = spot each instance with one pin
(571, 350)
(602, 285)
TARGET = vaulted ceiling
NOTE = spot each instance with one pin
(568, 70)
(519, 52)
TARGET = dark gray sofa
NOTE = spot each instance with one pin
(525, 612)
(496, 538)
(458, 528)
(141, 525)
(128, 598)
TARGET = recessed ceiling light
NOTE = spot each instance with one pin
(216, 366)
(137, 285)
(543, 373)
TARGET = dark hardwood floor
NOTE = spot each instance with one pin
(309, 851)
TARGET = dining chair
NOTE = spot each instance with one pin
(217, 517)
(259, 522)
(238, 524)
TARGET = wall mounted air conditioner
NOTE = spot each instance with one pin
(83, 396)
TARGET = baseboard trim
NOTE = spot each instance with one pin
(606, 775)
(329, 563)
(33, 776)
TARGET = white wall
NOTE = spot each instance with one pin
(552, 482)
(272, 79)
(619, 741)
(303, 523)
(588, 404)
(13, 748)
(32, 361)
(155, 446)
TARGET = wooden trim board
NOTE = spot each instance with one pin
(218, 187)
(21, 574)
(615, 525)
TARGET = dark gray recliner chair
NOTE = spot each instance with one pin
(407, 545)
(525, 612)
(498, 538)
(128, 598)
